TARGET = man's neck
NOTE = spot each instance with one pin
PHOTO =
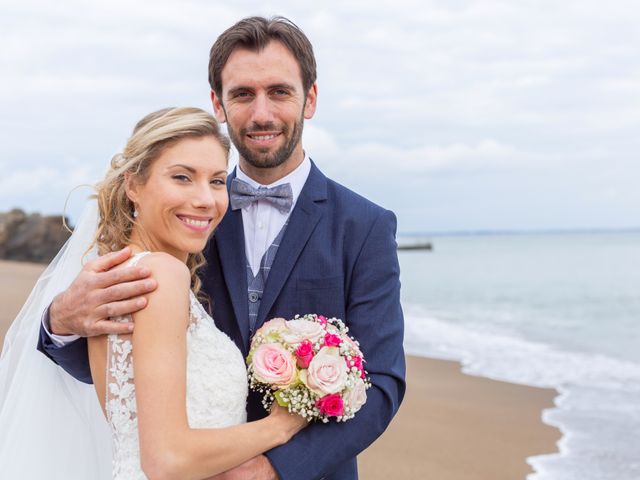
(267, 176)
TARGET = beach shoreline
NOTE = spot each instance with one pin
(454, 426)
(451, 426)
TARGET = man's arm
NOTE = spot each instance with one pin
(375, 319)
(258, 468)
(99, 292)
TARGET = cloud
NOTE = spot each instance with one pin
(43, 188)
(465, 97)
(368, 159)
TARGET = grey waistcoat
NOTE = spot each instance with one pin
(256, 284)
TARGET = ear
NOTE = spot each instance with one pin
(310, 105)
(131, 187)
(218, 109)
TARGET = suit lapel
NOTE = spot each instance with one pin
(303, 220)
(229, 239)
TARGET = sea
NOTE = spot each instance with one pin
(552, 309)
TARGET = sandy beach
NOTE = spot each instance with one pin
(451, 426)
(16, 281)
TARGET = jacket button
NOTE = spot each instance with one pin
(253, 297)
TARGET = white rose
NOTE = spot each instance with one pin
(356, 396)
(296, 331)
(333, 329)
(327, 372)
(352, 345)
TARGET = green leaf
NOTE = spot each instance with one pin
(281, 401)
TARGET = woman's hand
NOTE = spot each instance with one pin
(290, 423)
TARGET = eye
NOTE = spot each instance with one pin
(241, 95)
(218, 182)
(181, 177)
(281, 92)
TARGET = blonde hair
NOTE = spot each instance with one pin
(150, 137)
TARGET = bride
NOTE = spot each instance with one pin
(182, 413)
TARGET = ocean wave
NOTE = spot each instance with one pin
(514, 359)
(597, 409)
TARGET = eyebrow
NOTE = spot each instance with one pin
(193, 170)
(283, 85)
(236, 90)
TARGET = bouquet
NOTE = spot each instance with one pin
(310, 365)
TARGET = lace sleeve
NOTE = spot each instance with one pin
(120, 402)
(120, 391)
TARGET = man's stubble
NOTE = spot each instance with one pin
(264, 160)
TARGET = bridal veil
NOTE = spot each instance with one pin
(51, 425)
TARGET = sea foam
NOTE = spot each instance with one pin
(597, 410)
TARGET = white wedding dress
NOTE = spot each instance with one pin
(216, 386)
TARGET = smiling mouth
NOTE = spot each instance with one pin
(198, 223)
(269, 136)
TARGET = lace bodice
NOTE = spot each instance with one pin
(216, 386)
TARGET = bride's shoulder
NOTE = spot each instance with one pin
(161, 262)
(165, 264)
(171, 297)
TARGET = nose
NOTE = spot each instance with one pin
(261, 111)
(203, 196)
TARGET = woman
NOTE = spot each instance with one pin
(181, 415)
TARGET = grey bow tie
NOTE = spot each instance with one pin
(242, 195)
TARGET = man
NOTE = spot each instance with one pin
(310, 246)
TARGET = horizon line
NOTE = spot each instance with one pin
(519, 231)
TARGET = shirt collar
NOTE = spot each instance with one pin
(296, 179)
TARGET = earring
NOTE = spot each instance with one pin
(135, 213)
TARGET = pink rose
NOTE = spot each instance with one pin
(331, 340)
(274, 365)
(327, 372)
(322, 320)
(270, 326)
(356, 396)
(304, 354)
(297, 330)
(331, 405)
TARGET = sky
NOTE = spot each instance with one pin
(457, 115)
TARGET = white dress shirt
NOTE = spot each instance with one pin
(261, 220)
(58, 340)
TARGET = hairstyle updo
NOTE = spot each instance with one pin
(150, 137)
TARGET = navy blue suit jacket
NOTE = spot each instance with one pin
(337, 258)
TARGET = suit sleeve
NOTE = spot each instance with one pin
(73, 357)
(374, 317)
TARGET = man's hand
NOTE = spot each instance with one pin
(100, 292)
(258, 468)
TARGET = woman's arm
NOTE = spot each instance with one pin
(168, 447)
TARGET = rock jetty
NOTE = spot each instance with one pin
(31, 237)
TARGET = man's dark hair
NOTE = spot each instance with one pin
(254, 33)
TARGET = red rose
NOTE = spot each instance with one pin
(304, 354)
(356, 362)
(331, 340)
(331, 405)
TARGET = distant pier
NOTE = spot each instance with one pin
(415, 245)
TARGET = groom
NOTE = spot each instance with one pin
(293, 242)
